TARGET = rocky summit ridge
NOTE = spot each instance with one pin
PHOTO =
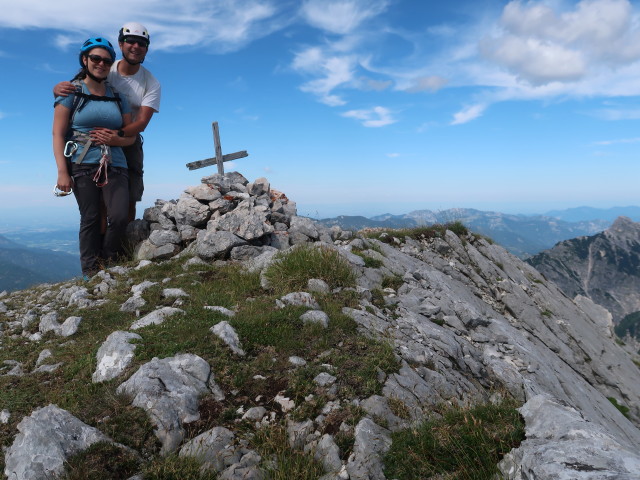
(466, 321)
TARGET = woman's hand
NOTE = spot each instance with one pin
(64, 182)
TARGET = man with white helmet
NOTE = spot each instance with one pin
(142, 90)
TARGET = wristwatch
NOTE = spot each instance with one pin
(121, 133)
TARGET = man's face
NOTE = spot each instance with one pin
(134, 49)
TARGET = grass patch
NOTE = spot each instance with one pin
(285, 463)
(392, 281)
(624, 410)
(369, 261)
(101, 461)
(418, 233)
(174, 467)
(462, 444)
(295, 268)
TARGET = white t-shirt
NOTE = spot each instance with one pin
(141, 89)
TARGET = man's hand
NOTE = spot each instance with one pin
(64, 89)
(104, 136)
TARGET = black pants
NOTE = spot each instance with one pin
(89, 197)
(135, 161)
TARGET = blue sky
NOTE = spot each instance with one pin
(356, 107)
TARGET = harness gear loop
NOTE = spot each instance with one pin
(103, 168)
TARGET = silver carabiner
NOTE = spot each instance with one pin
(60, 193)
(70, 148)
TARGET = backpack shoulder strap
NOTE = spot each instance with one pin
(115, 95)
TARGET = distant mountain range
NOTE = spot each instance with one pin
(22, 266)
(522, 235)
(581, 214)
(604, 267)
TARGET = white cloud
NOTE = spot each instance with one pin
(468, 114)
(2, 115)
(333, 71)
(540, 45)
(340, 16)
(536, 61)
(375, 117)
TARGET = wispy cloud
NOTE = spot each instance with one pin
(331, 71)
(340, 16)
(431, 83)
(375, 117)
(618, 141)
(224, 25)
(467, 114)
(613, 114)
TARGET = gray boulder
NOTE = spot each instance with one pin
(214, 448)
(204, 193)
(190, 211)
(156, 317)
(213, 244)
(228, 335)
(47, 438)
(168, 390)
(562, 445)
(371, 443)
(147, 250)
(248, 225)
(114, 355)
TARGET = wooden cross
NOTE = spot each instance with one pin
(219, 158)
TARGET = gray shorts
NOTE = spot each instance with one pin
(135, 160)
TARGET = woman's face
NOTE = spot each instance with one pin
(98, 62)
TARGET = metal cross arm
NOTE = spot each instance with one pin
(219, 158)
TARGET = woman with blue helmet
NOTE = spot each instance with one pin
(87, 145)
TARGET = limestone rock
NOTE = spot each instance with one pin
(168, 390)
(114, 355)
(156, 317)
(47, 438)
(228, 335)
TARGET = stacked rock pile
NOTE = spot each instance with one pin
(225, 217)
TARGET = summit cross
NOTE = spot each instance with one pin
(219, 158)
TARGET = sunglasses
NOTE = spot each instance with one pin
(133, 41)
(97, 59)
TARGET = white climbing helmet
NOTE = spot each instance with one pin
(133, 29)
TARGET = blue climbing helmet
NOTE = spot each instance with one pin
(96, 42)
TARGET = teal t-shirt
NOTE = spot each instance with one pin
(97, 113)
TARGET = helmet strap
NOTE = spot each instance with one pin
(93, 77)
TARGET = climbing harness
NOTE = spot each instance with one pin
(71, 147)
